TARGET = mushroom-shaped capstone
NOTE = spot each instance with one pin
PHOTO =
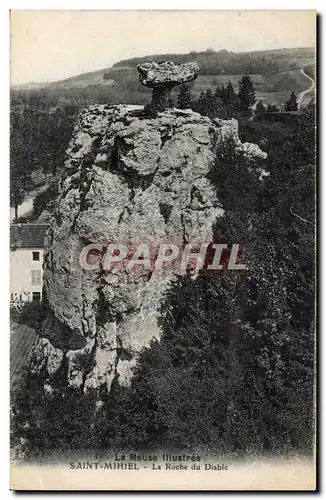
(163, 76)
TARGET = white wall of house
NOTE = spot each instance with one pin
(25, 273)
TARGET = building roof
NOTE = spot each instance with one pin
(27, 235)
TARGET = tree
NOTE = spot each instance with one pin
(229, 99)
(220, 92)
(272, 108)
(211, 104)
(205, 103)
(184, 97)
(38, 140)
(260, 108)
(20, 173)
(230, 94)
(247, 94)
(291, 104)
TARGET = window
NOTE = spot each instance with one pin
(36, 296)
(36, 255)
(36, 276)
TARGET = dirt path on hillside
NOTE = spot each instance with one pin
(304, 92)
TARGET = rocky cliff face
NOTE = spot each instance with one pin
(128, 179)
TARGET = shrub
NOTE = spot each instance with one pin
(28, 313)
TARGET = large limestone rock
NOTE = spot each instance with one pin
(162, 77)
(128, 179)
(167, 73)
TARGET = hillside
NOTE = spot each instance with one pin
(275, 72)
(215, 63)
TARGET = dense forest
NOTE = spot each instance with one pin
(234, 370)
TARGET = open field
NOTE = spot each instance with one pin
(271, 89)
(311, 95)
(277, 98)
(205, 82)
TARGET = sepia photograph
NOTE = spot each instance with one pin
(163, 250)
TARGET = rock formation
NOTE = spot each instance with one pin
(162, 77)
(128, 179)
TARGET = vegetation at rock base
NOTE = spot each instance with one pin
(30, 313)
(234, 369)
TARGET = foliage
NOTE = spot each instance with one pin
(184, 97)
(272, 108)
(44, 421)
(30, 313)
(44, 199)
(223, 103)
(38, 140)
(291, 104)
(260, 108)
(247, 94)
(20, 174)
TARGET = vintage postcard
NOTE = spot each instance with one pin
(162, 246)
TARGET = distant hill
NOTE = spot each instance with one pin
(214, 63)
(272, 71)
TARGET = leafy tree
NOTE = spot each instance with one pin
(247, 94)
(291, 104)
(184, 97)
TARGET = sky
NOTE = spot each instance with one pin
(51, 45)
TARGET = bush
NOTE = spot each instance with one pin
(30, 313)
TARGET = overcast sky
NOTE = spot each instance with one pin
(51, 45)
